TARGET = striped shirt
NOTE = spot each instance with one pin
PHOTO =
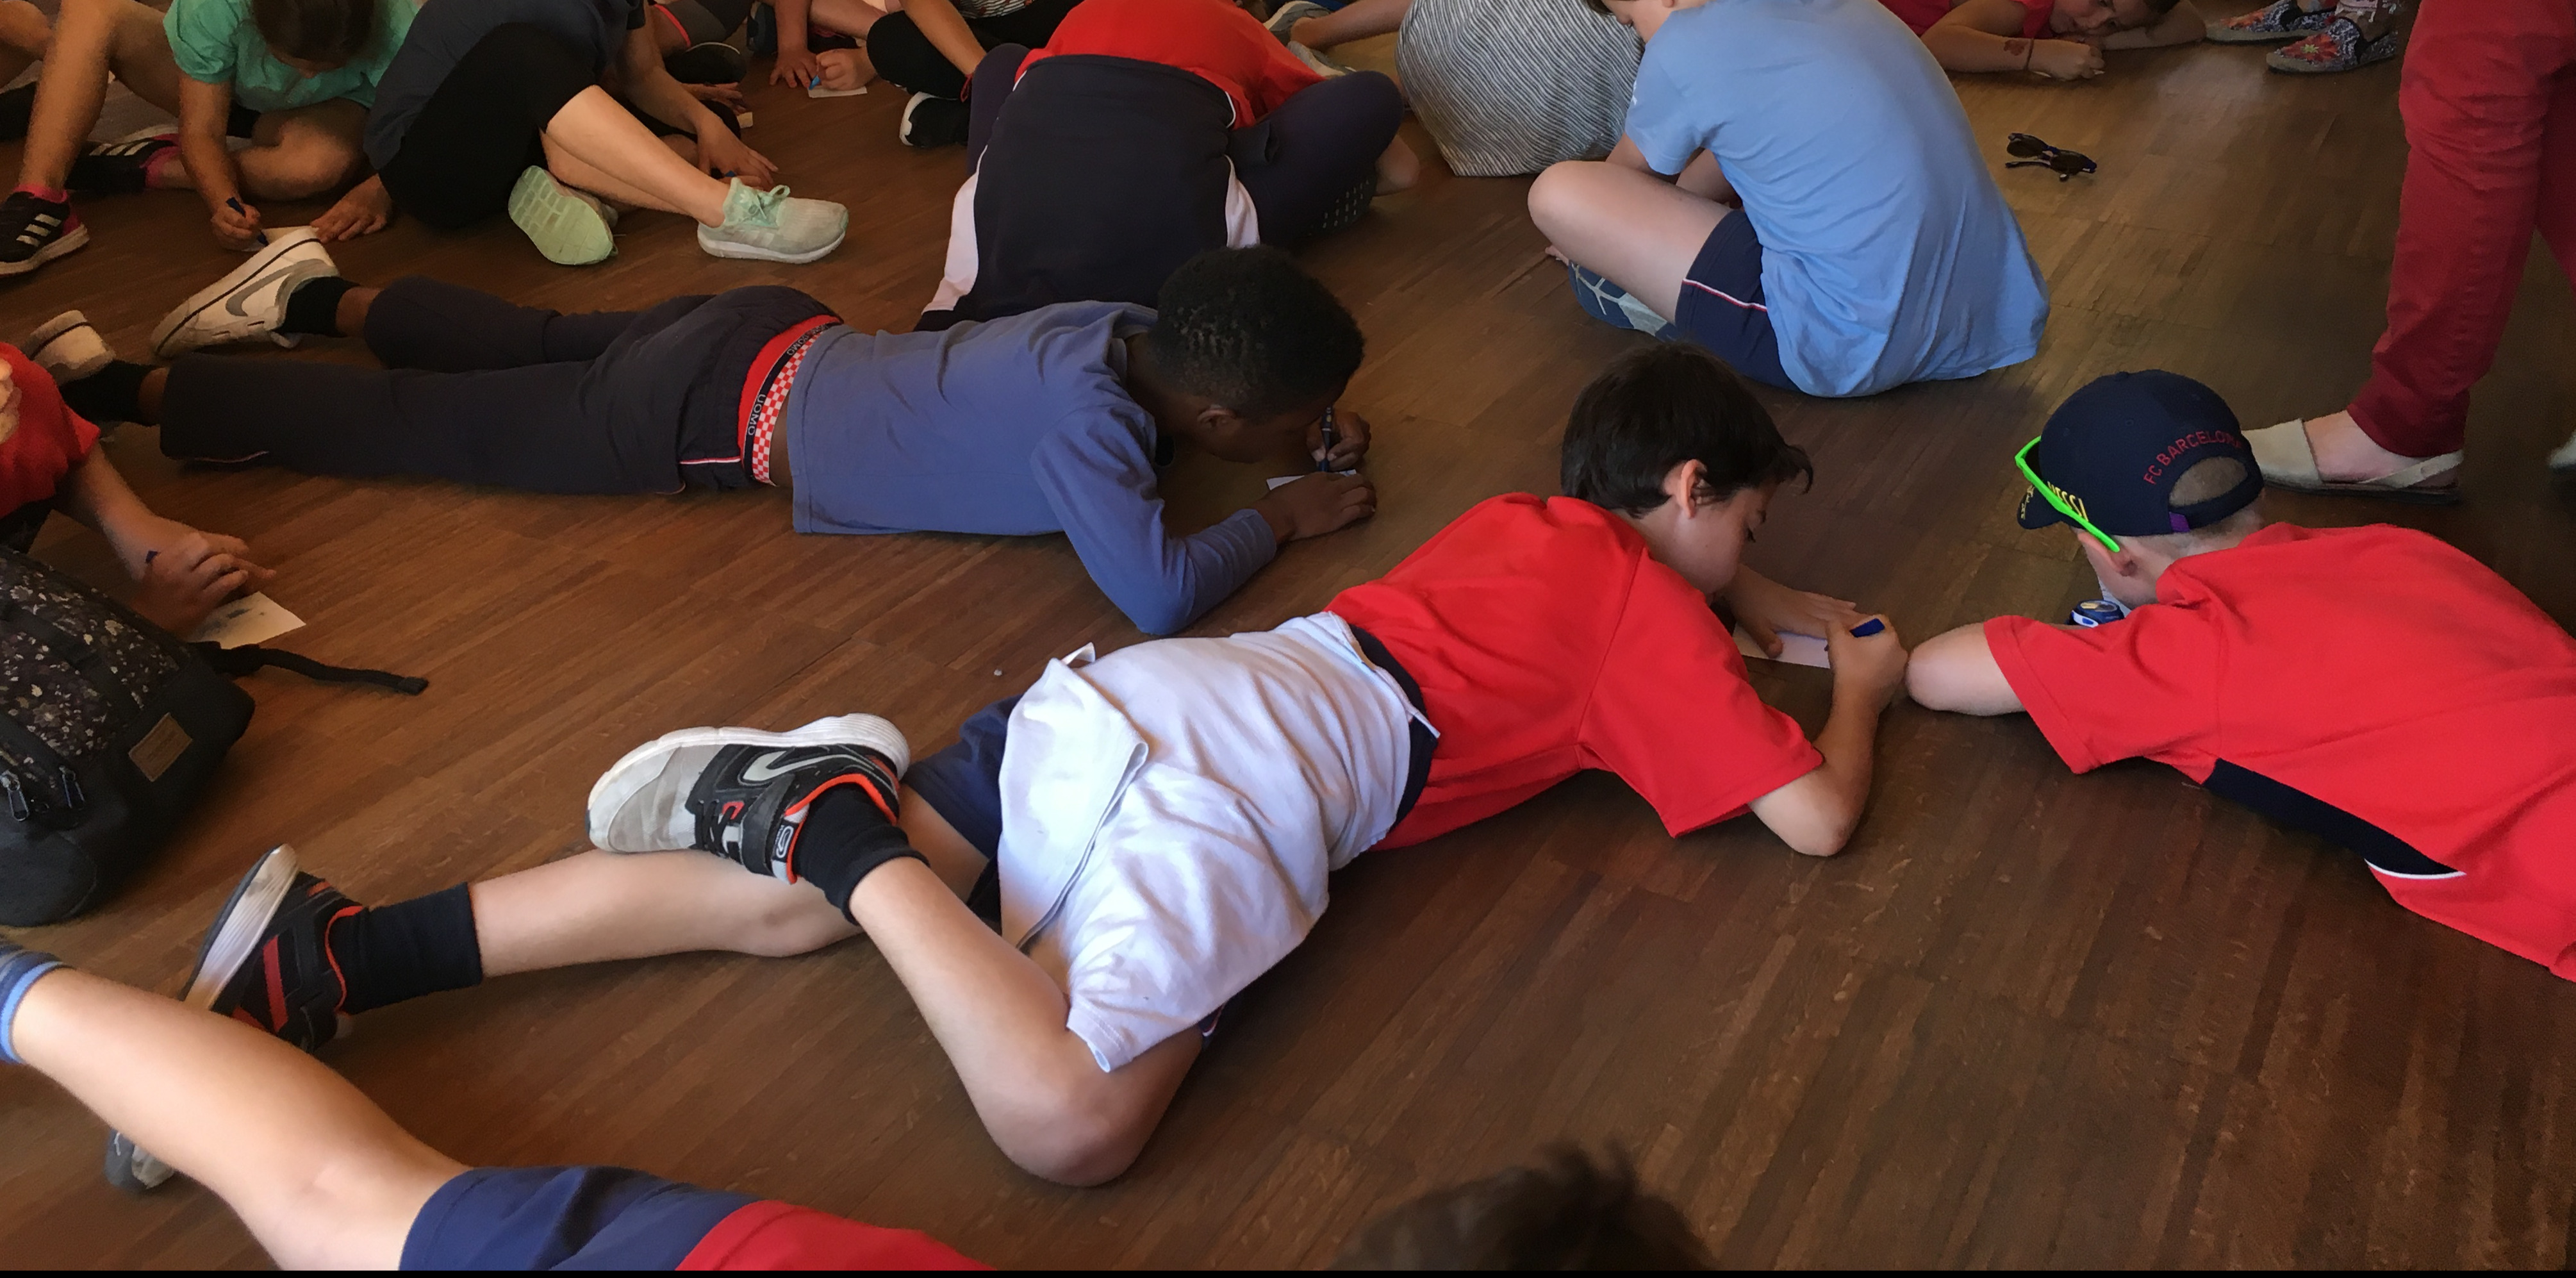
(1512, 86)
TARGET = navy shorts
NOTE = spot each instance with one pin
(1721, 305)
(563, 1218)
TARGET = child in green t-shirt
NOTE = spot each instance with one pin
(295, 77)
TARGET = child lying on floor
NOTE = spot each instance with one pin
(1053, 421)
(1161, 828)
(2059, 39)
(50, 460)
(2373, 686)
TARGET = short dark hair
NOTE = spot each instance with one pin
(1569, 1212)
(1659, 406)
(1597, 7)
(1251, 330)
(333, 31)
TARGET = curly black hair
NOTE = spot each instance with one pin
(1569, 1212)
(1251, 330)
(331, 31)
(1659, 406)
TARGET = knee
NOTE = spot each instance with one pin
(1557, 198)
(1398, 168)
(1070, 1143)
(302, 165)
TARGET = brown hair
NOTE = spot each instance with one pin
(326, 31)
(1569, 1212)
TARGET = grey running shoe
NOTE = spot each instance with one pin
(570, 227)
(1285, 18)
(768, 226)
(731, 791)
(251, 301)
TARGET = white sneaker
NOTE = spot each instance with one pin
(68, 348)
(250, 302)
(570, 227)
(767, 226)
(2565, 457)
(729, 791)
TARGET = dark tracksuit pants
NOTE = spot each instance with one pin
(481, 391)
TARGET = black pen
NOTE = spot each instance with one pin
(1325, 463)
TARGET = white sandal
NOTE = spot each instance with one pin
(2288, 461)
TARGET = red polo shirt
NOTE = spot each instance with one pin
(1211, 39)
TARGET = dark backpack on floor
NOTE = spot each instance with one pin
(109, 726)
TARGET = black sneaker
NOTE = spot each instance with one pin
(732, 791)
(265, 962)
(35, 231)
(117, 168)
(929, 121)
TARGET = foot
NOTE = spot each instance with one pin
(251, 301)
(768, 226)
(2281, 20)
(739, 793)
(929, 121)
(2345, 455)
(2338, 46)
(266, 962)
(120, 168)
(68, 347)
(34, 231)
(1611, 304)
(1321, 64)
(570, 227)
(1283, 22)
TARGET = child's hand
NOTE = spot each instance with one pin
(798, 67)
(723, 155)
(1350, 441)
(236, 228)
(1765, 608)
(182, 585)
(1870, 667)
(363, 211)
(1317, 504)
(841, 69)
(729, 94)
(2065, 59)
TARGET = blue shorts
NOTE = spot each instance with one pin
(1721, 304)
(563, 1218)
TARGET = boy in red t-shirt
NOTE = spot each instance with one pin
(49, 458)
(2059, 39)
(1160, 830)
(2371, 685)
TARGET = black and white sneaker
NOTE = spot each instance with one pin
(120, 167)
(740, 793)
(929, 121)
(34, 231)
(68, 347)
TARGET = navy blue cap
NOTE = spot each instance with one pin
(2115, 449)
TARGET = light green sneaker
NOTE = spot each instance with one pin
(572, 228)
(767, 226)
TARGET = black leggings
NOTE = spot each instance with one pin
(1310, 166)
(907, 58)
(485, 392)
(479, 131)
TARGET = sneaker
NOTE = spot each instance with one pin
(731, 791)
(250, 302)
(1286, 17)
(280, 917)
(713, 62)
(2339, 46)
(570, 227)
(929, 121)
(1616, 306)
(121, 167)
(2564, 460)
(34, 231)
(1321, 64)
(68, 348)
(2281, 20)
(767, 226)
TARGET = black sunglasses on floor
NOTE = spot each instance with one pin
(2038, 154)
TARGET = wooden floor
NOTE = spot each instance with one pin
(2027, 1019)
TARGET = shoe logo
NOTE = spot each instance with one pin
(767, 766)
(234, 302)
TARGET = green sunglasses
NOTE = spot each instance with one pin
(2021, 462)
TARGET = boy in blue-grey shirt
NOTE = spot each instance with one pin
(1872, 248)
(1051, 421)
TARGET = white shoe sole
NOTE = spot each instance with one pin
(63, 243)
(68, 370)
(728, 248)
(642, 765)
(211, 296)
(568, 226)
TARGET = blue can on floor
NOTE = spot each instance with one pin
(2098, 612)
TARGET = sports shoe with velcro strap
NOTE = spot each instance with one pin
(740, 793)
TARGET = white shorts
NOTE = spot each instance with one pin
(1170, 812)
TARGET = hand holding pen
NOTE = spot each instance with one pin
(1340, 441)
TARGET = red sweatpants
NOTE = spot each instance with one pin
(2489, 97)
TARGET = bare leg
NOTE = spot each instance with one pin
(1356, 21)
(1398, 168)
(1631, 226)
(90, 38)
(24, 33)
(1703, 178)
(299, 154)
(320, 1175)
(350, 317)
(849, 17)
(595, 144)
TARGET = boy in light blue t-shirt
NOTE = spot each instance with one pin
(294, 76)
(1872, 248)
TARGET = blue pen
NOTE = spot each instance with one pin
(236, 206)
(1867, 628)
(1325, 463)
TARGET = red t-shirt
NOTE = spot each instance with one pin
(49, 441)
(1547, 641)
(1211, 39)
(776, 1235)
(2374, 685)
(1921, 14)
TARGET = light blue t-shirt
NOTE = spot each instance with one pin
(1888, 255)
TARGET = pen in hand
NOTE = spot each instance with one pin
(235, 204)
(1325, 462)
